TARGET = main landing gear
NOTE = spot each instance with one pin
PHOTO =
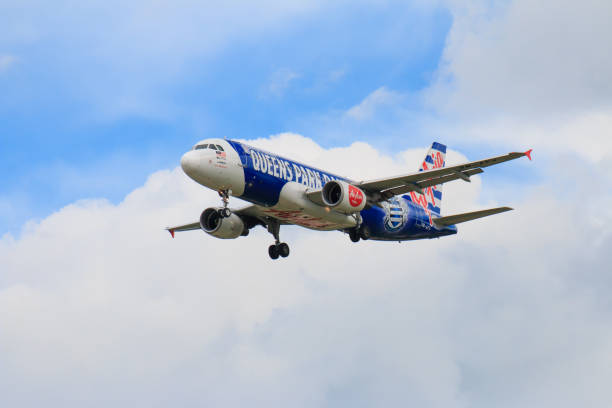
(279, 248)
(225, 211)
(358, 233)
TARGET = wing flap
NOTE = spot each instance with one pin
(459, 218)
(464, 175)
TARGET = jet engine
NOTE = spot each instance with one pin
(214, 224)
(343, 197)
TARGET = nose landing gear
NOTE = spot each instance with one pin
(278, 248)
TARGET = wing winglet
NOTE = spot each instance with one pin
(528, 153)
(171, 231)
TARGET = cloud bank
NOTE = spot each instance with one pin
(529, 73)
(99, 306)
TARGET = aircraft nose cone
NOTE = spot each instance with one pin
(189, 163)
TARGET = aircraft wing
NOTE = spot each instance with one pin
(389, 187)
(459, 218)
(186, 227)
(250, 214)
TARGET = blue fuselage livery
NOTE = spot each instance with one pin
(284, 191)
(265, 174)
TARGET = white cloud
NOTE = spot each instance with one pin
(99, 306)
(523, 58)
(587, 134)
(336, 75)
(527, 72)
(516, 75)
(379, 99)
(135, 51)
(279, 82)
(6, 61)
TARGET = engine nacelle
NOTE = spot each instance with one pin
(343, 197)
(212, 223)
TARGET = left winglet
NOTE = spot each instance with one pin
(171, 231)
(528, 153)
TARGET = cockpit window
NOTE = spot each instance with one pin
(208, 146)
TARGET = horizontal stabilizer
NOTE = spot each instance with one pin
(459, 218)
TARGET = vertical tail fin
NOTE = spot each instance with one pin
(435, 159)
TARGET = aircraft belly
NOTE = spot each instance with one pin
(300, 218)
(294, 207)
(400, 220)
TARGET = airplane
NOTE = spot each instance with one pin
(283, 192)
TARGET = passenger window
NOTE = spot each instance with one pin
(219, 148)
(204, 146)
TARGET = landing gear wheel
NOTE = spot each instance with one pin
(364, 233)
(273, 251)
(225, 212)
(283, 249)
(354, 235)
(279, 248)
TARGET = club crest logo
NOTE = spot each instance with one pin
(395, 214)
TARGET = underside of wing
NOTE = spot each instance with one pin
(388, 187)
(256, 214)
(459, 218)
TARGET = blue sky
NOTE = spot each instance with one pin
(80, 119)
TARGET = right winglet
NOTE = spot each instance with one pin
(528, 153)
